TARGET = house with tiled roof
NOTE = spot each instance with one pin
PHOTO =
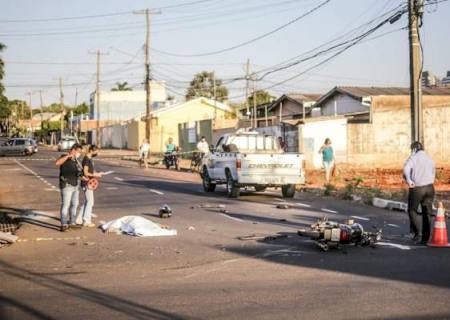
(371, 126)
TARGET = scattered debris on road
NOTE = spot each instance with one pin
(224, 211)
(165, 212)
(7, 238)
(192, 228)
(137, 226)
(265, 238)
(283, 206)
(330, 234)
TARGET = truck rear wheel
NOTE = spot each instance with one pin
(288, 190)
(232, 190)
(208, 186)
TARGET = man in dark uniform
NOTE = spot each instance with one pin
(69, 183)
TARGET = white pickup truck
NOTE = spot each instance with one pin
(252, 159)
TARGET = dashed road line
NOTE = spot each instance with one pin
(303, 204)
(112, 188)
(156, 191)
(328, 210)
(53, 188)
(230, 217)
(118, 178)
(360, 218)
(393, 225)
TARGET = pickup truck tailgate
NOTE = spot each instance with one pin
(271, 169)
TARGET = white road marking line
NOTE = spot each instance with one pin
(393, 225)
(360, 218)
(230, 217)
(399, 246)
(118, 178)
(328, 210)
(51, 189)
(303, 205)
(112, 188)
(156, 191)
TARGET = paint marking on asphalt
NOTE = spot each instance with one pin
(118, 178)
(399, 246)
(156, 191)
(303, 205)
(35, 174)
(360, 218)
(230, 217)
(13, 169)
(328, 210)
(393, 225)
(112, 188)
(51, 189)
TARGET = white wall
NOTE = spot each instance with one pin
(314, 135)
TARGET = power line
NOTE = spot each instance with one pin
(251, 40)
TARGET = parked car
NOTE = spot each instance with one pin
(66, 143)
(248, 158)
(18, 146)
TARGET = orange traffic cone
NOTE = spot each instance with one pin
(439, 234)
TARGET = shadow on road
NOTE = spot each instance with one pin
(33, 217)
(127, 308)
(420, 265)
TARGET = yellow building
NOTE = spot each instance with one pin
(184, 122)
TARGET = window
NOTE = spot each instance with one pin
(19, 142)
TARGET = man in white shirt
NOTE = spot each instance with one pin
(419, 172)
(203, 146)
(144, 149)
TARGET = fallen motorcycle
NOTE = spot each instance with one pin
(330, 234)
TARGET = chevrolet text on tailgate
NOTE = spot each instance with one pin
(252, 159)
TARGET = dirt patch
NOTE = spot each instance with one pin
(385, 183)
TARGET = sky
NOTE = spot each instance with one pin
(51, 39)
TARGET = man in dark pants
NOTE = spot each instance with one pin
(419, 172)
(69, 184)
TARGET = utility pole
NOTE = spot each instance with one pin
(415, 13)
(61, 97)
(148, 78)
(215, 96)
(247, 78)
(98, 53)
(254, 104)
(41, 105)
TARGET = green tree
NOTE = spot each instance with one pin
(81, 109)
(122, 86)
(19, 109)
(261, 98)
(203, 86)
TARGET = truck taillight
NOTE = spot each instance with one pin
(238, 164)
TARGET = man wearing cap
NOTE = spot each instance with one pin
(419, 172)
(69, 184)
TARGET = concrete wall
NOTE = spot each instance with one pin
(114, 136)
(385, 142)
(314, 134)
(343, 104)
(136, 134)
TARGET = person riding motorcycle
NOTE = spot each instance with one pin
(171, 157)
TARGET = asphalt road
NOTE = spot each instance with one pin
(205, 272)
